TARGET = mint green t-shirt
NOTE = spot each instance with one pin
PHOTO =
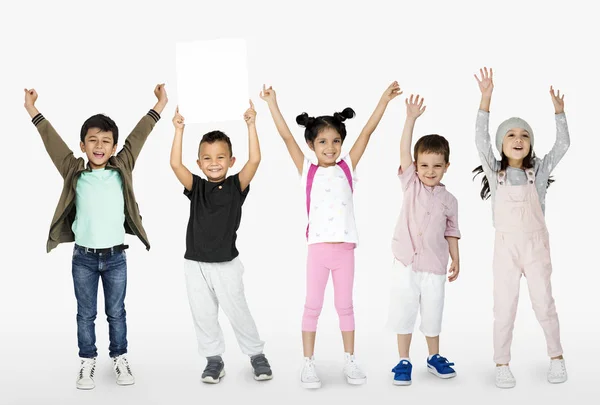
(100, 209)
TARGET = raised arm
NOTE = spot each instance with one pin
(184, 176)
(136, 139)
(414, 109)
(284, 131)
(482, 134)
(249, 170)
(362, 141)
(563, 140)
(57, 149)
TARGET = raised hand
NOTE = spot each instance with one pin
(250, 115)
(486, 82)
(391, 92)
(558, 101)
(178, 120)
(268, 94)
(161, 93)
(30, 97)
(414, 106)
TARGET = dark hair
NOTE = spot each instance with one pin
(315, 125)
(216, 136)
(103, 123)
(433, 144)
(528, 163)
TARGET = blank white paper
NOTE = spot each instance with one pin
(212, 80)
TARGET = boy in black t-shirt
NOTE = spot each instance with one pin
(213, 270)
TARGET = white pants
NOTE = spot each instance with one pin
(411, 291)
(210, 285)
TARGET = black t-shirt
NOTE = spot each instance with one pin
(215, 214)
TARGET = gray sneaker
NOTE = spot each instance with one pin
(214, 370)
(261, 367)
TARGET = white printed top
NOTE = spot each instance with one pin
(331, 217)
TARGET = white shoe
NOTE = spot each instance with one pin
(85, 380)
(309, 377)
(122, 370)
(504, 377)
(354, 375)
(557, 373)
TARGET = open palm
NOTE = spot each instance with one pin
(486, 81)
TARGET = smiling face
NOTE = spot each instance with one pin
(98, 146)
(214, 159)
(431, 168)
(327, 146)
(516, 145)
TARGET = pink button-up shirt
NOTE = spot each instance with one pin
(427, 217)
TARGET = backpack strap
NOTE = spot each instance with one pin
(311, 176)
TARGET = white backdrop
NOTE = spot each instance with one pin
(320, 57)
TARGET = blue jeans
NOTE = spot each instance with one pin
(88, 268)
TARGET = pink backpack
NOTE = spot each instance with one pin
(311, 176)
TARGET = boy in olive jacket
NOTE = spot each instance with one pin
(96, 208)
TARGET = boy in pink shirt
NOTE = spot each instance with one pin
(425, 236)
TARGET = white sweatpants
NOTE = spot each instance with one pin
(210, 285)
(411, 291)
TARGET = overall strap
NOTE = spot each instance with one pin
(501, 177)
(530, 176)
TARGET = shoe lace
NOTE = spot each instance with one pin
(87, 368)
(557, 367)
(504, 372)
(212, 366)
(309, 369)
(121, 365)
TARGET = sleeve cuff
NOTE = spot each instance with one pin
(452, 234)
(37, 119)
(154, 115)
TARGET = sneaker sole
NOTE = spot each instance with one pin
(356, 381)
(433, 371)
(402, 383)
(557, 381)
(210, 380)
(85, 387)
(506, 385)
(263, 377)
(126, 382)
(311, 386)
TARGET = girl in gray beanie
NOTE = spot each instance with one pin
(517, 185)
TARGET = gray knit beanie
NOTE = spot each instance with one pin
(507, 125)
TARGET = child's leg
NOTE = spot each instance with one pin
(228, 285)
(404, 305)
(114, 283)
(85, 280)
(538, 269)
(205, 309)
(433, 292)
(507, 276)
(317, 275)
(342, 273)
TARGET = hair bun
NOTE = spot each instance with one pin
(347, 113)
(304, 120)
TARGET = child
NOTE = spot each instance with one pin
(96, 208)
(331, 232)
(426, 234)
(517, 184)
(213, 270)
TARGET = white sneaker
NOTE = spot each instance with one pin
(504, 377)
(122, 370)
(354, 375)
(309, 377)
(557, 373)
(85, 380)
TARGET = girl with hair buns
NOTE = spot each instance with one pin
(331, 232)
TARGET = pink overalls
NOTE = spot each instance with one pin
(521, 247)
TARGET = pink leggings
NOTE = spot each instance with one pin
(323, 258)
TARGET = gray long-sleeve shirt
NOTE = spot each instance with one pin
(516, 177)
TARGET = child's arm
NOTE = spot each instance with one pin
(284, 131)
(249, 169)
(184, 176)
(57, 149)
(455, 266)
(563, 140)
(362, 141)
(136, 139)
(482, 135)
(414, 109)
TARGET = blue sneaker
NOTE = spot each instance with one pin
(441, 367)
(402, 373)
